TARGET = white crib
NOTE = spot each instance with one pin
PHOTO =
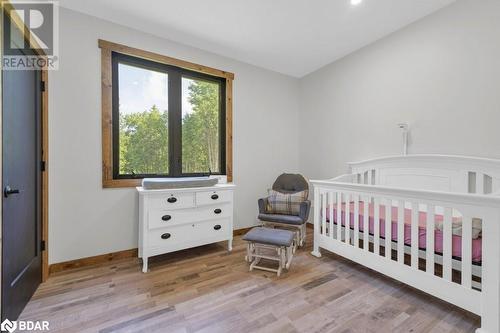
(414, 193)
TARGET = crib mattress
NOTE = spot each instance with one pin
(422, 230)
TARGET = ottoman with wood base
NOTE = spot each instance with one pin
(272, 244)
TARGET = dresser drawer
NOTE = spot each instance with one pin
(175, 237)
(172, 201)
(167, 218)
(213, 197)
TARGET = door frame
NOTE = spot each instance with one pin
(45, 174)
(44, 137)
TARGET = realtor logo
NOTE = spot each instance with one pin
(8, 326)
(30, 34)
(24, 325)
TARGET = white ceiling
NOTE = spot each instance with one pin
(293, 37)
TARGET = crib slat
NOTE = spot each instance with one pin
(317, 211)
(370, 177)
(447, 241)
(388, 228)
(479, 183)
(323, 213)
(429, 241)
(414, 235)
(401, 232)
(366, 226)
(495, 185)
(339, 216)
(347, 225)
(356, 220)
(467, 251)
(330, 216)
(376, 226)
(362, 178)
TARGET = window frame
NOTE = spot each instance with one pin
(111, 55)
(175, 76)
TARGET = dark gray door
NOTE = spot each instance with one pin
(21, 213)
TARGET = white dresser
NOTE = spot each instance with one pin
(176, 219)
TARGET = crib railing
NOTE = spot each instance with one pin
(355, 220)
(474, 181)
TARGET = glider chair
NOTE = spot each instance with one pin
(287, 205)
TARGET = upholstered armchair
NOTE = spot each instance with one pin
(288, 183)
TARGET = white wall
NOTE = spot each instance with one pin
(441, 74)
(87, 220)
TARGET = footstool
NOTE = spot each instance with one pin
(262, 242)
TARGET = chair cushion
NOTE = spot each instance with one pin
(270, 236)
(285, 203)
(290, 183)
(278, 218)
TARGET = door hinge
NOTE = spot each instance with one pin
(42, 246)
(42, 85)
(42, 166)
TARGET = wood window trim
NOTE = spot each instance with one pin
(107, 48)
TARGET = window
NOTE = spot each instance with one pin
(162, 117)
(140, 128)
(202, 126)
(167, 121)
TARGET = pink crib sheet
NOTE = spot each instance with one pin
(438, 235)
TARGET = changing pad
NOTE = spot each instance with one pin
(182, 182)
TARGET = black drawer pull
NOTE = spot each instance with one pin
(217, 227)
(166, 217)
(218, 211)
(172, 199)
(165, 236)
(214, 197)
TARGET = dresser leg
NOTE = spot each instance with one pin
(230, 245)
(144, 264)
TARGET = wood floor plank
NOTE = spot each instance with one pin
(207, 289)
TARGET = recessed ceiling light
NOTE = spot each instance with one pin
(356, 2)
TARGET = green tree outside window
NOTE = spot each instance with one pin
(143, 135)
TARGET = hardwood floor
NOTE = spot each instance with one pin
(208, 290)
